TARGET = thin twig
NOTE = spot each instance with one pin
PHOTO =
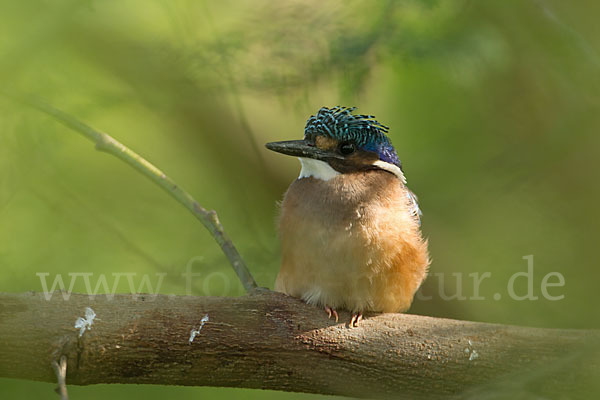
(61, 375)
(108, 144)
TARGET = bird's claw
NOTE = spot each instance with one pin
(330, 311)
(355, 320)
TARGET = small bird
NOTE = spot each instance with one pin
(349, 226)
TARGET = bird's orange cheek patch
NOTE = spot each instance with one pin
(326, 143)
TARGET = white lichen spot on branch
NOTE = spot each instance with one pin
(473, 354)
(85, 323)
(195, 332)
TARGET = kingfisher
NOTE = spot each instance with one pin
(350, 228)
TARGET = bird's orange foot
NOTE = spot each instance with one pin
(355, 320)
(330, 311)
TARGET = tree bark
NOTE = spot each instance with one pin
(270, 341)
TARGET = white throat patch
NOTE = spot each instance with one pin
(317, 169)
(394, 169)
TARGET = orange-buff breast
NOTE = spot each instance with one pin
(351, 243)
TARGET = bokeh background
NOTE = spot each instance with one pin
(493, 108)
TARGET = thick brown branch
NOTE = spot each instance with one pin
(271, 341)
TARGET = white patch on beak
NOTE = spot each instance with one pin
(317, 169)
(394, 169)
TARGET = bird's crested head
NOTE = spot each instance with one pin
(351, 132)
(336, 141)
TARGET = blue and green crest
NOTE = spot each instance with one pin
(339, 123)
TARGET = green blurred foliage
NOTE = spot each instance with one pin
(493, 108)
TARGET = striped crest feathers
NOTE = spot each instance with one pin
(339, 123)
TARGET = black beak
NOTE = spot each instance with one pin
(301, 148)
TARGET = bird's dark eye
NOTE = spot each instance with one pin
(347, 148)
